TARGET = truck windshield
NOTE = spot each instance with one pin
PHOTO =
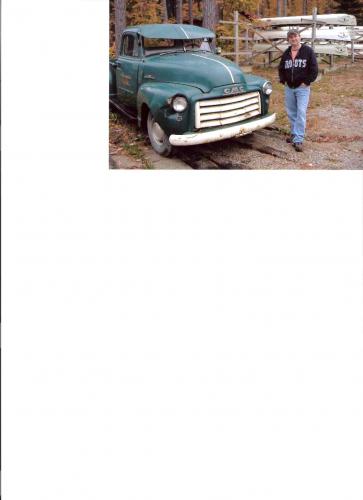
(161, 45)
(197, 45)
(153, 46)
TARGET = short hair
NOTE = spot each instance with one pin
(292, 32)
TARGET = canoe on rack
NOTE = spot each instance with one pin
(336, 34)
(358, 47)
(356, 33)
(327, 48)
(334, 19)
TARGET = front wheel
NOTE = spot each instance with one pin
(158, 138)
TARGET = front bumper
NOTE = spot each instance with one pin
(193, 139)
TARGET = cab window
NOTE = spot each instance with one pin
(129, 46)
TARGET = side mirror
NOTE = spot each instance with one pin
(218, 50)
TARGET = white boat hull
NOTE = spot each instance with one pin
(331, 49)
(336, 34)
(334, 19)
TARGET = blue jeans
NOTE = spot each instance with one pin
(296, 104)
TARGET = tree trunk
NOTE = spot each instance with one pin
(278, 13)
(190, 3)
(120, 22)
(268, 9)
(164, 9)
(210, 14)
(284, 10)
(305, 7)
(262, 8)
(170, 4)
(179, 11)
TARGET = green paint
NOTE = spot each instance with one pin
(159, 61)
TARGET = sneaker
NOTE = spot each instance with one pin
(298, 147)
(290, 139)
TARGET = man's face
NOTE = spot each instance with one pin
(294, 40)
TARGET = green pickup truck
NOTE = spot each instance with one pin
(168, 78)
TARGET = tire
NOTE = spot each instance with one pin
(158, 138)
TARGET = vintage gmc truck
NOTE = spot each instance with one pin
(167, 77)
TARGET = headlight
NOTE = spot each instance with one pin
(267, 88)
(179, 104)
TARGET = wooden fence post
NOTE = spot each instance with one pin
(236, 40)
(352, 48)
(247, 47)
(313, 34)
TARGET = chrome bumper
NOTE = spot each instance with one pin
(193, 139)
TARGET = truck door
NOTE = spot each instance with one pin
(127, 68)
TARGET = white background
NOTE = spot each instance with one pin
(189, 335)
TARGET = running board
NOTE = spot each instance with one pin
(121, 109)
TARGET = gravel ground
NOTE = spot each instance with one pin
(334, 138)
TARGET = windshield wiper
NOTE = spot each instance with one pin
(162, 53)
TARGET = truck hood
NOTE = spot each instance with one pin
(202, 70)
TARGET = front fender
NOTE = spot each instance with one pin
(255, 82)
(157, 97)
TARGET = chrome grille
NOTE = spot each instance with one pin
(214, 112)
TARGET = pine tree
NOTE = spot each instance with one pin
(171, 6)
(164, 11)
(120, 21)
(190, 11)
(179, 11)
(284, 8)
(210, 14)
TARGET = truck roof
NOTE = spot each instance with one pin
(171, 31)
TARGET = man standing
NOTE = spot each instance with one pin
(298, 68)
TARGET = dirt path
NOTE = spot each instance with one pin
(334, 137)
(267, 149)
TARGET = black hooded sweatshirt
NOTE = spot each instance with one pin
(304, 69)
